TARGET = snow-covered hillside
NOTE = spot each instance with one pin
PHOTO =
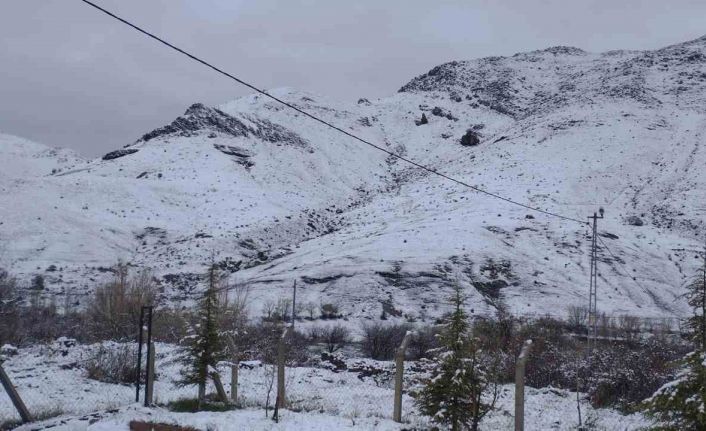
(273, 196)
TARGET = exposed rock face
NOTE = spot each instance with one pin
(119, 153)
(199, 118)
(240, 155)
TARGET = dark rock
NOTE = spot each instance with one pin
(422, 121)
(323, 280)
(635, 221)
(119, 153)
(470, 139)
(490, 289)
(240, 155)
(333, 361)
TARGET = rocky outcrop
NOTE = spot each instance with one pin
(119, 153)
(200, 119)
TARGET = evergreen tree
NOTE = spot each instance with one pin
(453, 394)
(696, 298)
(203, 348)
(681, 404)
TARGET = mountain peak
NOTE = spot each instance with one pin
(561, 50)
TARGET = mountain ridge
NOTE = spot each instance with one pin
(276, 198)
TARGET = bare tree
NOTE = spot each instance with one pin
(114, 308)
(629, 325)
(577, 317)
(336, 337)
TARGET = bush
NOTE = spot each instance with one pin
(113, 364)
(380, 341)
(422, 342)
(329, 311)
(192, 405)
(335, 337)
(9, 308)
(114, 309)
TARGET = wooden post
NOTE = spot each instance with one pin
(281, 345)
(520, 386)
(399, 374)
(149, 388)
(14, 396)
(234, 382)
(219, 386)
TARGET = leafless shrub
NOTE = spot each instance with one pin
(336, 337)
(380, 341)
(577, 317)
(423, 341)
(329, 311)
(114, 309)
(629, 326)
(113, 364)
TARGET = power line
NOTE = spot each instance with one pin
(326, 123)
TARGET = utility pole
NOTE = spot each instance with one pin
(592, 290)
(294, 303)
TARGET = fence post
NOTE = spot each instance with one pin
(520, 386)
(399, 373)
(234, 382)
(149, 388)
(150, 358)
(281, 397)
(14, 396)
(219, 386)
(138, 379)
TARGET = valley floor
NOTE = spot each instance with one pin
(53, 378)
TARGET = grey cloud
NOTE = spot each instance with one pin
(72, 77)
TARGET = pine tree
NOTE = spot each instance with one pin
(203, 348)
(696, 298)
(453, 394)
(681, 404)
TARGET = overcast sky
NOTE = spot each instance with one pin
(72, 77)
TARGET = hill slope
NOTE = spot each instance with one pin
(275, 197)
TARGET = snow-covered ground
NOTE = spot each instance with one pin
(276, 197)
(51, 378)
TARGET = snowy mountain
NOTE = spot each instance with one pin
(273, 196)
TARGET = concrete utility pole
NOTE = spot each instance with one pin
(520, 386)
(399, 374)
(294, 303)
(592, 290)
(281, 356)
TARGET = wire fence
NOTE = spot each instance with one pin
(64, 377)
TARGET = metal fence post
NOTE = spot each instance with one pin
(520, 386)
(399, 374)
(14, 396)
